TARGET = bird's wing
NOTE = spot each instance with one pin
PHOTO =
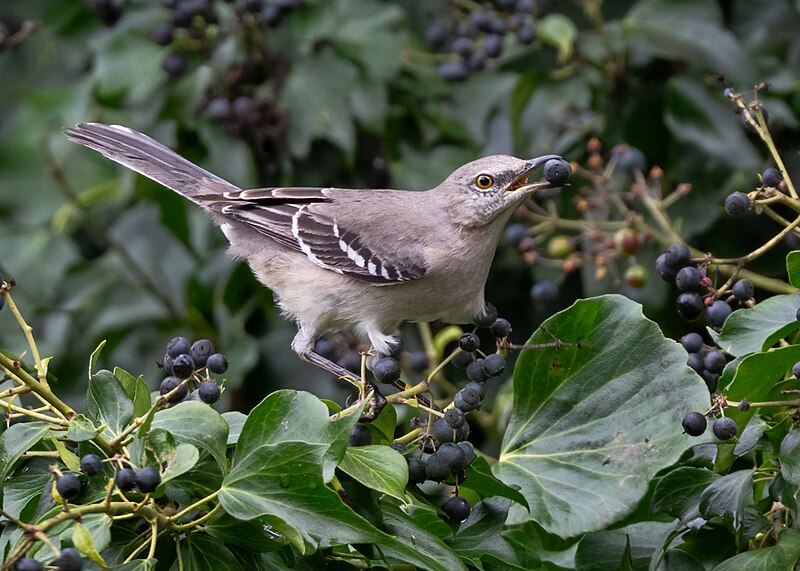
(314, 222)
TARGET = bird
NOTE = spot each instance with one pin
(336, 258)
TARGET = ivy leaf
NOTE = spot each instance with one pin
(758, 328)
(201, 552)
(377, 467)
(629, 547)
(678, 492)
(285, 480)
(793, 267)
(790, 457)
(235, 420)
(479, 538)
(136, 388)
(81, 429)
(558, 31)
(728, 495)
(82, 540)
(591, 426)
(481, 480)
(197, 424)
(16, 440)
(781, 557)
(107, 403)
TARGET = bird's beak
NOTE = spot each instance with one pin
(521, 185)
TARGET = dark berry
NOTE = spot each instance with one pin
(557, 172)
(166, 362)
(678, 256)
(493, 45)
(544, 292)
(170, 384)
(478, 386)
(463, 359)
(437, 468)
(455, 70)
(69, 560)
(515, 234)
(201, 351)
(469, 342)
(694, 424)
(209, 392)
(524, 6)
(462, 46)
(457, 509)
(125, 479)
(68, 486)
(416, 466)
(475, 371)
(253, 6)
(148, 479)
(690, 306)
(361, 435)
(771, 177)
(796, 369)
(526, 35)
(688, 279)
(467, 399)
(469, 451)
(386, 370)
(729, 93)
(436, 35)
(692, 342)
(28, 564)
(695, 361)
(183, 366)
(217, 363)
(494, 365)
(663, 269)
(714, 362)
(717, 313)
(452, 455)
(724, 428)
(737, 204)
(178, 346)
(174, 63)
(241, 107)
(325, 348)
(271, 15)
(351, 361)
(219, 109)
(91, 464)
(797, 314)
(418, 361)
(454, 417)
(744, 405)
(476, 61)
(443, 432)
(743, 290)
(711, 379)
(501, 328)
(162, 34)
(629, 159)
(487, 316)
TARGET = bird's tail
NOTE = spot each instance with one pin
(152, 159)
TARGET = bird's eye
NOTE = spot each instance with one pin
(484, 181)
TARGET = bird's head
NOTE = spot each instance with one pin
(480, 191)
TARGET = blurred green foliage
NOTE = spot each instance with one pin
(351, 97)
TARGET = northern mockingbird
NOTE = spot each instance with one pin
(337, 258)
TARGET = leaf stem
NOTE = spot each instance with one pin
(27, 330)
(211, 497)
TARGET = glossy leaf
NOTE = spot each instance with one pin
(288, 415)
(200, 552)
(81, 428)
(197, 424)
(632, 546)
(678, 492)
(21, 490)
(107, 403)
(285, 480)
(136, 388)
(728, 495)
(591, 425)
(16, 440)
(235, 420)
(782, 557)
(380, 468)
(793, 267)
(250, 535)
(758, 328)
(479, 536)
(481, 480)
(790, 457)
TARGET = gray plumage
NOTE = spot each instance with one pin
(338, 258)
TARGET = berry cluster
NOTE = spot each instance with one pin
(695, 423)
(68, 560)
(706, 361)
(698, 296)
(110, 11)
(478, 36)
(186, 363)
(343, 349)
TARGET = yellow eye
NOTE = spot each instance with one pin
(484, 181)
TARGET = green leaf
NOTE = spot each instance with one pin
(95, 356)
(781, 557)
(137, 389)
(199, 552)
(16, 440)
(793, 267)
(82, 540)
(610, 549)
(385, 425)
(107, 403)
(678, 492)
(692, 31)
(755, 329)
(21, 489)
(67, 456)
(81, 429)
(750, 436)
(137, 565)
(591, 426)
(558, 31)
(413, 544)
(377, 467)
(197, 424)
(481, 480)
(249, 535)
(285, 480)
(728, 495)
(288, 415)
(172, 458)
(235, 420)
(790, 457)
(479, 538)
